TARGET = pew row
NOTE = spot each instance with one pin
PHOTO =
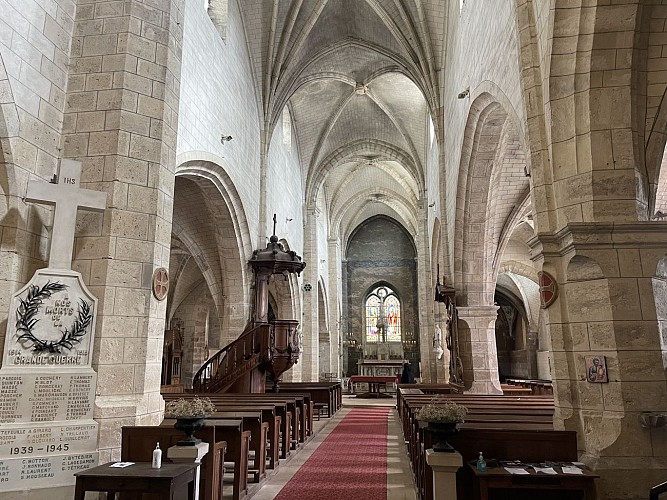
(535, 386)
(295, 411)
(138, 443)
(497, 417)
(327, 395)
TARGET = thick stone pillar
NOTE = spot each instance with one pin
(612, 293)
(425, 302)
(121, 121)
(477, 347)
(310, 322)
(531, 350)
(195, 344)
(335, 294)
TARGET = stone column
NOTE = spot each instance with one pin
(195, 352)
(477, 346)
(531, 350)
(121, 121)
(612, 293)
(335, 294)
(310, 324)
(425, 300)
(444, 467)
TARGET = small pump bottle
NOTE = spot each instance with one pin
(157, 457)
(481, 463)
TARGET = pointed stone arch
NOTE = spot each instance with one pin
(491, 136)
(226, 253)
(489, 187)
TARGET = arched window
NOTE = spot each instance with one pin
(383, 316)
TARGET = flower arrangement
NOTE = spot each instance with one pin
(189, 408)
(442, 410)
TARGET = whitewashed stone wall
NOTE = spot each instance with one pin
(218, 98)
(284, 195)
(481, 47)
(433, 179)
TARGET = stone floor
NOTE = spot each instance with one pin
(400, 485)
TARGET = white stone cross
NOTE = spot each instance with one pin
(67, 197)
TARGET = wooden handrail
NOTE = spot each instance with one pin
(232, 361)
(272, 348)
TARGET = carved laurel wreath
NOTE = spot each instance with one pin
(26, 320)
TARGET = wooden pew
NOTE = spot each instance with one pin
(484, 415)
(252, 421)
(138, 444)
(288, 408)
(514, 390)
(541, 387)
(487, 414)
(286, 413)
(298, 404)
(270, 423)
(238, 443)
(330, 393)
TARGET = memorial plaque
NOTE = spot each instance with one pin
(46, 397)
(43, 472)
(25, 441)
(47, 431)
(50, 322)
(47, 383)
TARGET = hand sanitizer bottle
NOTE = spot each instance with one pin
(481, 463)
(157, 457)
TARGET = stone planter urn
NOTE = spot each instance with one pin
(442, 431)
(189, 425)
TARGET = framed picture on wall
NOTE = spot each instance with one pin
(596, 369)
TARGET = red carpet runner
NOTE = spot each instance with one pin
(350, 464)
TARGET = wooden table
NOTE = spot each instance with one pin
(139, 478)
(374, 384)
(499, 478)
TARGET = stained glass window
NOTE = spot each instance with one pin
(383, 311)
(393, 308)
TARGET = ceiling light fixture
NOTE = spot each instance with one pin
(464, 94)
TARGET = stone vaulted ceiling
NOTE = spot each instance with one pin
(360, 80)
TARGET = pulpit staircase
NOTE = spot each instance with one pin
(242, 366)
(264, 347)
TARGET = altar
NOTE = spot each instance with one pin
(380, 367)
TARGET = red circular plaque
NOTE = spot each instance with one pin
(160, 283)
(548, 288)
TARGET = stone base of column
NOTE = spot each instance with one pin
(444, 467)
(477, 349)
